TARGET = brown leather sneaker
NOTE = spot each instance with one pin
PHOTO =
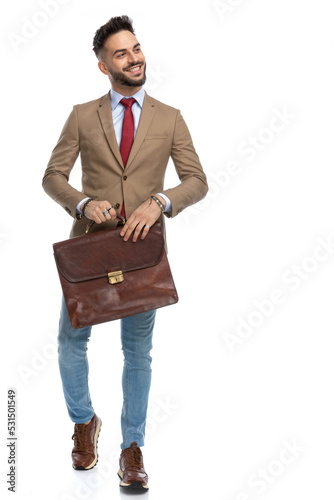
(131, 469)
(84, 453)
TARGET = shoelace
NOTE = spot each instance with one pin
(134, 457)
(80, 437)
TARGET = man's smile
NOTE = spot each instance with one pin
(135, 69)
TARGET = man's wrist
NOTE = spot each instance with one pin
(156, 201)
(165, 201)
(80, 204)
(162, 201)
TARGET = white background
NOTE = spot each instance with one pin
(226, 402)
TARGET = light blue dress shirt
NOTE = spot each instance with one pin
(117, 110)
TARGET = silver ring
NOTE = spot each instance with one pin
(147, 226)
(105, 213)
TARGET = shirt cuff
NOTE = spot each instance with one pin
(79, 204)
(168, 202)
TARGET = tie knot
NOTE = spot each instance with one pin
(128, 103)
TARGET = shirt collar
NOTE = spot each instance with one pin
(115, 97)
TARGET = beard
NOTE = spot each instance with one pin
(125, 80)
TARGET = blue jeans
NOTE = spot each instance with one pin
(136, 337)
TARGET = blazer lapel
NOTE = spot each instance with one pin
(104, 111)
(143, 126)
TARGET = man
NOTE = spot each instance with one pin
(125, 140)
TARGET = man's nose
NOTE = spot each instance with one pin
(132, 58)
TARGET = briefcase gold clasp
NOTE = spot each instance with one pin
(115, 277)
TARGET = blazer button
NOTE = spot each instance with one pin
(117, 206)
(125, 177)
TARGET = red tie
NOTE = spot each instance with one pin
(128, 131)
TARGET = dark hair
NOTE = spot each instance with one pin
(114, 25)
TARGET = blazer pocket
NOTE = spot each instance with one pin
(151, 137)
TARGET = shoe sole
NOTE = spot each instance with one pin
(135, 485)
(96, 459)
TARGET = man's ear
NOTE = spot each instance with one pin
(102, 67)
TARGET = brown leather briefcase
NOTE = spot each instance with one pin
(104, 278)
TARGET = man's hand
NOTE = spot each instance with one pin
(95, 211)
(142, 219)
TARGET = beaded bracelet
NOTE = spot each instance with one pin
(159, 203)
(85, 205)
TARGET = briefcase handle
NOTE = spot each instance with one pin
(92, 222)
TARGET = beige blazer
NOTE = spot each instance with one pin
(162, 133)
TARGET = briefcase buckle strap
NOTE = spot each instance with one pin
(115, 277)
